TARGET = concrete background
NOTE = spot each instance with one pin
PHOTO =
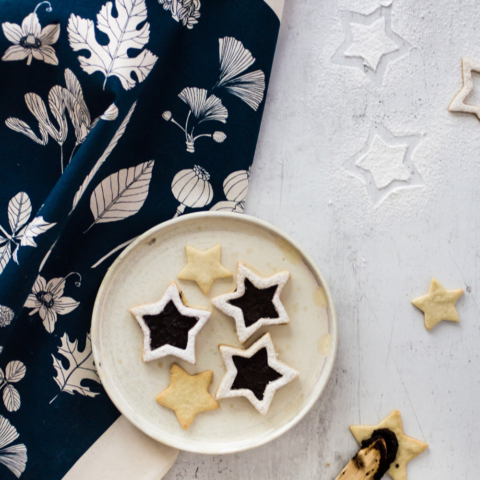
(378, 248)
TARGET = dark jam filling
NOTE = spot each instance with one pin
(388, 451)
(256, 303)
(169, 327)
(254, 373)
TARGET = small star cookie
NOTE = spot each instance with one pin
(188, 395)
(458, 103)
(204, 267)
(255, 302)
(408, 447)
(438, 304)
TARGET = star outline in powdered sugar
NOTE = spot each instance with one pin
(225, 390)
(172, 294)
(374, 74)
(244, 272)
(378, 195)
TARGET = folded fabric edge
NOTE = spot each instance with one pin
(276, 6)
(123, 452)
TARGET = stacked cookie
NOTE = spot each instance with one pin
(170, 328)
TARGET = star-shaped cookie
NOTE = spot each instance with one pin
(438, 304)
(169, 326)
(204, 267)
(458, 103)
(255, 302)
(408, 447)
(188, 395)
(254, 373)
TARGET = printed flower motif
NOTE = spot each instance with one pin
(14, 457)
(6, 316)
(204, 109)
(30, 40)
(47, 299)
(191, 187)
(185, 11)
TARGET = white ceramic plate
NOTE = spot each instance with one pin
(142, 273)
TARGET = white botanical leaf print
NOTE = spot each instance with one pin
(15, 371)
(60, 101)
(106, 153)
(112, 59)
(19, 211)
(80, 367)
(235, 59)
(6, 316)
(47, 299)
(30, 40)
(185, 11)
(14, 457)
(204, 108)
(5, 255)
(191, 187)
(11, 398)
(37, 226)
(122, 194)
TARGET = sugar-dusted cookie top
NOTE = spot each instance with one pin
(254, 373)
(169, 326)
(255, 302)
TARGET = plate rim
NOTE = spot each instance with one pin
(230, 447)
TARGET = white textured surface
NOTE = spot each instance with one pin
(376, 257)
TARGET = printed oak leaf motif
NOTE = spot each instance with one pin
(14, 457)
(14, 372)
(80, 367)
(112, 59)
(30, 40)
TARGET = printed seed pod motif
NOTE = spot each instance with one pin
(191, 187)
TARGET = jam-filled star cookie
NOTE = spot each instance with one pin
(408, 447)
(254, 373)
(255, 302)
(169, 326)
(188, 395)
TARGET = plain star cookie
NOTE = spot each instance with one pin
(255, 302)
(169, 326)
(408, 447)
(438, 304)
(254, 373)
(188, 395)
(458, 103)
(204, 267)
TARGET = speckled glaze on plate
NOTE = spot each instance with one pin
(142, 273)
